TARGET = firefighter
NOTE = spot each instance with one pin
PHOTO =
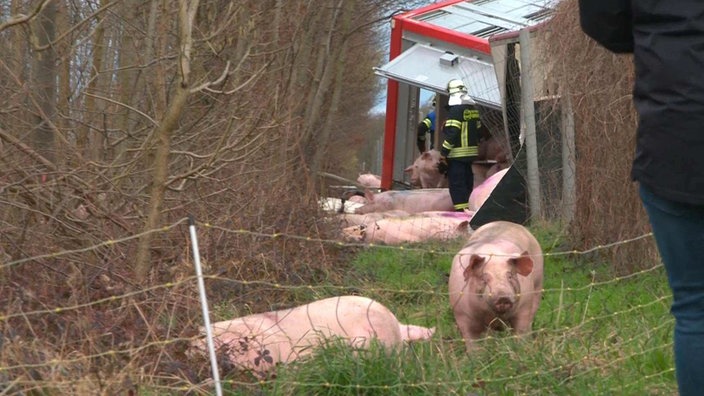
(426, 126)
(460, 148)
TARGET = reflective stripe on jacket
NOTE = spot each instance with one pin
(462, 131)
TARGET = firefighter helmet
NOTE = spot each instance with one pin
(456, 86)
(458, 93)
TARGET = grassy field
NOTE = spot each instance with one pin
(594, 334)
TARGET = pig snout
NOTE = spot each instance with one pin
(502, 305)
(502, 293)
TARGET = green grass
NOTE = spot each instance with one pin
(594, 334)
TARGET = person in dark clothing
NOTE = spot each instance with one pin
(460, 148)
(667, 42)
(427, 125)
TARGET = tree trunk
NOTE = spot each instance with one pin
(63, 123)
(89, 141)
(44, 71)
(187, 11)
(128, 75)
(321, 123)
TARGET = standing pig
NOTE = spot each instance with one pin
(424, 171)
(496, 280)
(259, 341)
(493, 149)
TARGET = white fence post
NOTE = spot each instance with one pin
(204, 306)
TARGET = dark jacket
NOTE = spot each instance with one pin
(667, 41)
(462, 130)
(426, 126)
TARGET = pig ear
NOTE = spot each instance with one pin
(409, 169)
(463, 227)
(425, 155)
(475, 263)
(524, 264)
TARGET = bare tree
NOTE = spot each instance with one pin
(44, 76)
(186, 15)
(152, 110)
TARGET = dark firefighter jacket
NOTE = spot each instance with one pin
(667, 41)
(462, 131)
(426, 126)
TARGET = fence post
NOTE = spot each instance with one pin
(569, 164)
(204, 306)
(527, 105)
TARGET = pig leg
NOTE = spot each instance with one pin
(533, 309)
(470, 329)
(522, 322)
(414, 333)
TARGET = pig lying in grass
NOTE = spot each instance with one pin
(418, 227)
(411, 201)
(496, 280)
(258, 342)
(354, 219)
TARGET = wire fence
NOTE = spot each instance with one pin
(69, 366)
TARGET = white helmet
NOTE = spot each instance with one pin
(458, 93)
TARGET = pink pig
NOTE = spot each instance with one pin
(420, 227)
(368, 180)
(493, 149)
(258, 342)
(411, 201)
(424, 171)
(495, 152)
(354, 219)
(496, 280)
(481, 193)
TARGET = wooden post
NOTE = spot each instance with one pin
(569, 162)
(528, 111)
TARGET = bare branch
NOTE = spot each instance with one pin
(21, 18)
(75, 27)
(151, 120)
(27, 150)
(216, 82)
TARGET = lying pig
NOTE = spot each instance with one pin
(258, 342)
(496, 280)
(424, 171)
(411, 201)
(420, 227)
(368, 180)
(481, 193)
(354, 219)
